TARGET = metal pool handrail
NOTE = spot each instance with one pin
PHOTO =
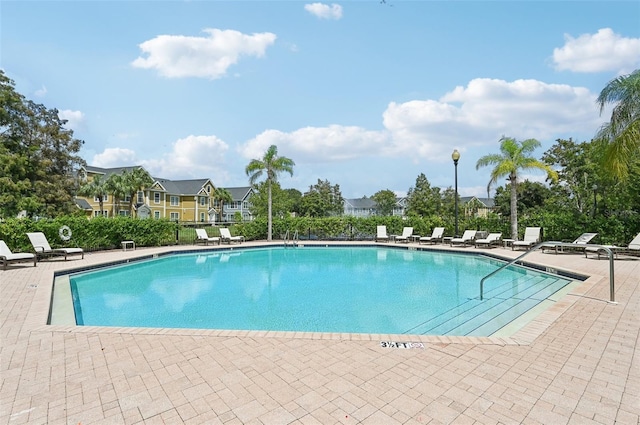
(294, 239)
(612, 297)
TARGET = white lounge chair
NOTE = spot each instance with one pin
(436, 236)
(41, 246)
(381, 234)
(225, 236)
(632, 249)
(491, 240)
(531, 237)
(467, 238)
(407, 232)
(202, 236)
(583, 239)
(7, 257)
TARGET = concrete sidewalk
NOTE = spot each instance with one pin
(575, 363)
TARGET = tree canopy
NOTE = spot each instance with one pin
(270, 164)
(513, 157)
(38, 157)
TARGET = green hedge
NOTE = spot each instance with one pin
(95, 234)
(107, 233)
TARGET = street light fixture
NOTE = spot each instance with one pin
(456, 156)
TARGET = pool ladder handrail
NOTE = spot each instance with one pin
(294, 239)
(612, 298)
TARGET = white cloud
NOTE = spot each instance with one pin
(74, 118)
(324, 11)
(602, 51)
(41, 92)
(114, 157)
(191, 157)
(487, 108)
(318, 144)
(178, 56)
(475, 115)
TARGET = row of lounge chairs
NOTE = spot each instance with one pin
(41, 248)
(532, 236)
(225, 237)
(467, 239)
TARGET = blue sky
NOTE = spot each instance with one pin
(364, 94)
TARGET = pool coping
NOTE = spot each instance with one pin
(525, 335)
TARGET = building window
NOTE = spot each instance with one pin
(175, 216)
(156, 197)
(174, 201)
(105, 198)
(203, 201)
(127, 198)
(245, 205)
(140, 197)
(156, 215)
(202, 216)
(124, 213)
(216, 203)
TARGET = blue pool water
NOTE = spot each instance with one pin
(315, 289)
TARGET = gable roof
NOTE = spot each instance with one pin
(182, 187)
(239, 193)
(360, 203)
(487, 202)
(114, 170)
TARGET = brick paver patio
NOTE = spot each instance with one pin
(576, 363)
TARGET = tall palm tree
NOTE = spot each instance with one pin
(223, 196)
(135, 181)
(513, 157)
(622, 133)
(115, 186)
(271, 164)
(96, 188)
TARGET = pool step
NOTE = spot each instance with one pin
(503, 303)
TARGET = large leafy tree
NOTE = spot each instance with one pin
(38, 157)
(385, 202)
(621, 134)
(422, 199)
(322, 200)
(514, 156)
(270, 166)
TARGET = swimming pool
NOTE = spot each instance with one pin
(312, 289)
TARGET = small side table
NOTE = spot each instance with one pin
(128, 244)
(447, 240)
(508, 242)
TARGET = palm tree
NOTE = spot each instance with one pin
(115, 186)
(622, 134)
(271, 164)
(96, 188)
(135, 181)
(513, 157)
(222, 195)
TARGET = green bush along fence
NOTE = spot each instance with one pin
(108, 233)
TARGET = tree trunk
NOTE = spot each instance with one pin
(269, 218)
(514, 206)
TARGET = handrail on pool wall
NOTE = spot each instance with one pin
(612, 297)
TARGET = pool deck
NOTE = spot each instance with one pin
(575, 363)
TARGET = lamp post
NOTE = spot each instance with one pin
(595, 199)
(456, 156)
